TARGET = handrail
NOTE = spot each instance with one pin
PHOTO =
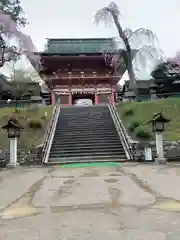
(50, 134)
(48, 129)
(122, 131)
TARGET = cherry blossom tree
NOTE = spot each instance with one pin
(127, 39)
(11, 17)
(14, 9)
(111, 13)
(175, 60)
(168, 69)
(8, 30)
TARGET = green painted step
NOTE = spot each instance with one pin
(95, 164)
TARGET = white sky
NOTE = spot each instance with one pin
(73, 19)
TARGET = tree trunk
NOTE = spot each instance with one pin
(128, 54)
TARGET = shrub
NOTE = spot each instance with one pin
(128, 112)
(44, 117)
(35, 124)
(143, 132)
(32, 109)
(17, 111)
(133, 125)
(5, 118)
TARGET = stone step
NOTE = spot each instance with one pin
(84, 121)
(84, 114)
(86, 150)
(85, 137)
(87, 142)
(85, 126)
(83, 144)
(87, 116)
(94, 146)
(83, 111)
(79, 154)
(80, 130)
(87, 159)
(84, 132)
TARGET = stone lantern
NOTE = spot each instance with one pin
(158, 126)
(13, 129)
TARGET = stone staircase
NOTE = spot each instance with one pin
(86, 134)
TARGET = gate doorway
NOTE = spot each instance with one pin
(83, 99)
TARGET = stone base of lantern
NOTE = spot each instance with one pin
(160, 160)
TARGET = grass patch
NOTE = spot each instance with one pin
(30, 137)
(143, 112)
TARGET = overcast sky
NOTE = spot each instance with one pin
(75, 18)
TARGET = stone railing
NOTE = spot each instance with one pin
(121, 131)
(50, 133)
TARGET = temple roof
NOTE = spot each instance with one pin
(143, 84)
(80, 46)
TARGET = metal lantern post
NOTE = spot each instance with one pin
(13, 129)
(158, 122)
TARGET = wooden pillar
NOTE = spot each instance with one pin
(52, 98)
(96, 100)
(70, 99)
(96, 97)
(70, 85)
(112, 96)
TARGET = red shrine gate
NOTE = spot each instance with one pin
(76, 68)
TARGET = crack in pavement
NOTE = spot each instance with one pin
(143, 185)
(160, 200)
(22, 206)
(25, 207)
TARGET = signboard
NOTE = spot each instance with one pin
(62, 93)
(103, 89)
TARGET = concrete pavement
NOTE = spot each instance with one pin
(131, 201)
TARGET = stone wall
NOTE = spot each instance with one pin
(171, 149)
(31, 157)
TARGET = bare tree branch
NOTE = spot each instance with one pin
(109, 14)
(141, 40)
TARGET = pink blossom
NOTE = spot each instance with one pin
(29, 49)
(175, 59)
(7, 25)
(8, 28)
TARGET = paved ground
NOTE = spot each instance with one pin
(129, 202)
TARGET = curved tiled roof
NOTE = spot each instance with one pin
(80, 46)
